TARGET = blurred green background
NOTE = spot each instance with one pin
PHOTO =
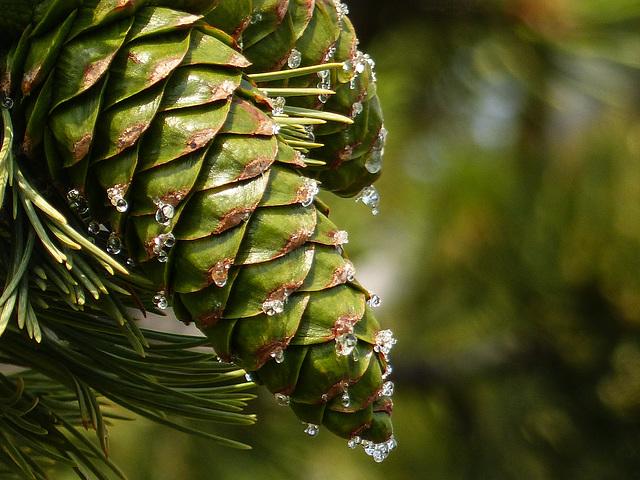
(506, 252)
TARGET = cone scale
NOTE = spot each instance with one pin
(184, 131)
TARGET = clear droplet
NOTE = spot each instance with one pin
(114, 244)
(220, 272)
(121, 205)
(350, 272)
(371, 198)
(163, 256)
(160, 300)
(164, 213)
(116, 197)
(356, 109)
(341, 8)
(278, 354)
(275, 128)
(374, 161)
(323, 74)
(384, 342)
(295, 59)
(7, 103)
(77, 202)
(387, 389)
(311, 189)
(278, 106)
(330, 53)
(345, 153)
(273, 307)
(282, 399)
(312, 429)
(345, 344)
(354, 442)
(93, 228)
(345, 400)
(374, 301)
(250, 377)
(388, 371)
(255, 18)
(169, 240)
(130, 262)
(310, 135)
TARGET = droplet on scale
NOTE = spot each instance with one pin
(272, 307)
(77, 202)
(345, 400)
(282, 399)
(379, 451)
(278, 354)
(356, 109)
(295, 59)
(345, 344)
(116, 197)
(387, 389)
(384, 342)
(278, 106)
(354, 442)
(93, 228)
(374, 301)
(312, 429)
(220, 272)
(164, 212)
(160, 300)
(341, 237)
(114, 244)
(311, 189)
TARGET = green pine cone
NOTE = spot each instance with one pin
(154, 127)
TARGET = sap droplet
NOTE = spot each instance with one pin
(345, 153)
(273, 307)
(341, 8)
(295, 59)
(312, 429)
(345, 344)
(114, 244)
(278, 106)
(379, 451)
(164, 212)
(278, 354)
(160, 300)
(345, 400)
(275, 128)
(116, 197)
(330, 53)
(220, 272)
(310, 189)
(282, 399)
(356, 109)
(384, 342)
(77, 202)
(93, 228)
(354, 442)
(370, 197)
(374, 301)
(341, 237)
(387, 389)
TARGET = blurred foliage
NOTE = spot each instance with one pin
(507, 252)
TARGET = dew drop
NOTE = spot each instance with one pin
(114, 244)
(312, 429)
(282, 399)
(295, 59)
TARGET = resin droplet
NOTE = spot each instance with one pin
(311, 189)
(273, 307)
(330, 53)
(379, 451)
(282, 399)
(374, 301)
(312, 429)
(387, 389)
(116, 197)
(164, 213)
(277, 354)
(354, 442)
(370, 197)
(93, 228)
(345, 400)
(341, 8)
(275, 128)
(345, 344)
(384, 342)
(278, 106)
(356, 109)
(220, 272)
(114, 244)
(77, 202)
(160, 300)
(295, 59)
(341, 237)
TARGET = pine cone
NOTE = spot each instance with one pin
(153, 125)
